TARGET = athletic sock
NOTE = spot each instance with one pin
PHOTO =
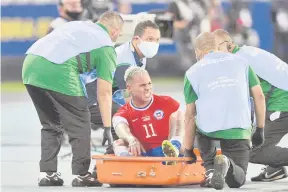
(176, 141)
(121, 151)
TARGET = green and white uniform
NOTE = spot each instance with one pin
(278, 98)
(273, 75)
(191, 95)
(45, 71)
(55, 72)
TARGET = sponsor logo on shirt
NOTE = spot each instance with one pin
(146, 118)
(158, 114)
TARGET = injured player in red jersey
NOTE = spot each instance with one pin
(148, 125)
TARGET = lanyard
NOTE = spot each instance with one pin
(136, 57)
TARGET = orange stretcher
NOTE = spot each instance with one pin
(117, 171)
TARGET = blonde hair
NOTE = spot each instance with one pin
(222, 35)
(131, 71)
(206, 42)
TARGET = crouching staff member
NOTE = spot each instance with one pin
(217, 93)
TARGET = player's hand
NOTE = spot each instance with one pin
(190, 153)
(257, 137)
(107, 136)
(135, 147)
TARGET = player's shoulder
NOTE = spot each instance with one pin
(162, 98)
(125, 107)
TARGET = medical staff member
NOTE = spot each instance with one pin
(51, 73)
(144, 44)
(216, 91)
(266, 65)
(273, 74)
(69, 10)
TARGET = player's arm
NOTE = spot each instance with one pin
(258, 97)
(105, 67)
(122, 129)
(190, 125)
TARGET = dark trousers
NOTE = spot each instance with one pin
(58, 112)
(97, 122)
(235, 149)
(269, 153)
(96, 115)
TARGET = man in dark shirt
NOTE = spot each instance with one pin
(69, 10)
(187, 15)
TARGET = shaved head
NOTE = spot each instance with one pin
(205, 43)
(224, 40)
(113, 23)
(222, 35)
(111, 19)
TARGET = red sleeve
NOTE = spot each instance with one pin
(122, 112)
(121, 116)
(173, 104)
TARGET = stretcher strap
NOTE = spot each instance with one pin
(88, 62)
(79, 63)
(268, 95)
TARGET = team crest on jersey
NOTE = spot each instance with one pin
(158, 114)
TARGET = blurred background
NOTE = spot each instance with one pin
(260, 23)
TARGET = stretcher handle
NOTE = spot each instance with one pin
(142, 159)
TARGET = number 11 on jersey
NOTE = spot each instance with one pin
(151, 129)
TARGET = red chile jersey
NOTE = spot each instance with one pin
(150, 125)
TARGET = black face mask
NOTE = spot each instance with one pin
(73, 15)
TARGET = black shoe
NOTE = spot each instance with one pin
(53, 179)
(207, 180)
(221, 167)
(85, 181)
(94, 173)
(271, 174)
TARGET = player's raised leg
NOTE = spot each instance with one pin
(172, 147)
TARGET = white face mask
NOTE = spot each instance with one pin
(148, 49)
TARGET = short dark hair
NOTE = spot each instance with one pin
(140, 28)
